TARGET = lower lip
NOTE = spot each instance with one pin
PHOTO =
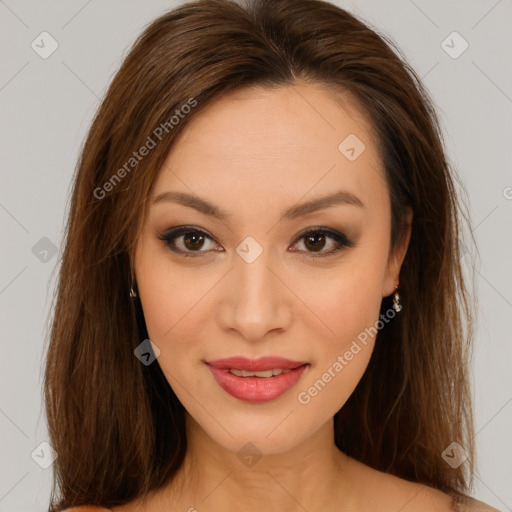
(256, 389)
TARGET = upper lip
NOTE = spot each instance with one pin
(255, 365)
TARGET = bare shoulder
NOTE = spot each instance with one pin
(392, 493)
(473, 505)
(448, 503)
(418, 498)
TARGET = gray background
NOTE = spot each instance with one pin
(46, 106)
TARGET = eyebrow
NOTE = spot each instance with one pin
(341, 197)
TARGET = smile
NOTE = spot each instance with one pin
(256, 380)
(263, 374)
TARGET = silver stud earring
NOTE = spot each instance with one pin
(396, 298)
(132, 292)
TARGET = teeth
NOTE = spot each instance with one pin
(266, 373)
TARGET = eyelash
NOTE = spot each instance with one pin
(169, 239)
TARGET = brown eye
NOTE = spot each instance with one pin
(315, 242)
(317, 239)
(193, 240)
(186, 241)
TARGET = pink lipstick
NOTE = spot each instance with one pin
(256, 380)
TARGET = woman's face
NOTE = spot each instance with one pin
(250, 282)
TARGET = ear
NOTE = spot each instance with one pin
(396, 257)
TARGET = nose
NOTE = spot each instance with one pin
(257, 301)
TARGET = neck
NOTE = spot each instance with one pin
(314, 475)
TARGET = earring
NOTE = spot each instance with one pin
(132, 293)
(396, 298)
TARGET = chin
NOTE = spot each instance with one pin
(254, 442)
(267, 432)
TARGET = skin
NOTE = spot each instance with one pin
(254, 154)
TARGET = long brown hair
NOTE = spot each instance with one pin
(115, 424)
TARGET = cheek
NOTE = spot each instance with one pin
(352, 312)
(176, 304)
(331, 382)
(168, 295)
(342, 302)
(348, 305)
(168, 306)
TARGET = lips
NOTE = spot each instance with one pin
(277, 376)
(255, 365)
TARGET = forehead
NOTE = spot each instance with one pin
(280, 142)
